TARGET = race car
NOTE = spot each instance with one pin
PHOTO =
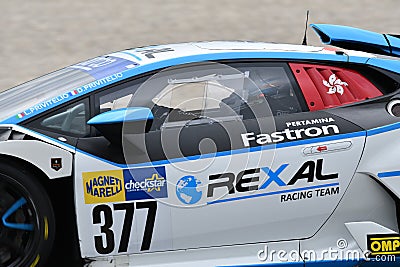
(207, 154)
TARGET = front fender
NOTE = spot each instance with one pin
(51, 158)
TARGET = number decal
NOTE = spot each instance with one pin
(151, 217)
(109, 245)
(105, 228)
(126, 229)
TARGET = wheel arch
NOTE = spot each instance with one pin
(61, 194)
(17, 162)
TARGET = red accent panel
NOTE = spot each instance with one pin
(311, 79)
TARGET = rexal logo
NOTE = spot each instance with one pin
(250, 180)
(145, 183)
(291, 135)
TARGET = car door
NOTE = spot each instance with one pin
(281, 180)
(231, 156)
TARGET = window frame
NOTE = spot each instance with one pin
(284, 64)
(114, 88)
(94, 103)
(35, 122)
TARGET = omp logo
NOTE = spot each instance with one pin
(384, 244)
(103, 186)
(145, 183)
(288, 134)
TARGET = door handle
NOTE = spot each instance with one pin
(327, 148)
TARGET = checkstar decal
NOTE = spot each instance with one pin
(125, 185)
(145, 183)
(335, 85)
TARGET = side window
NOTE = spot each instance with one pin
(70, 120)
(117, 97)
(201, 98)
(273, 83)
(193, 94)
(222, 92)
(208, 91)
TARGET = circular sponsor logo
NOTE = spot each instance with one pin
(188, 191)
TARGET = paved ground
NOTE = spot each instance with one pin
(41, 36)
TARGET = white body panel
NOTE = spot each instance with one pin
(40, 152)
(29, 152)
(368, 208)
(257, 216)
(382, 161)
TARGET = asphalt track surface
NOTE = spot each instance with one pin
(41, 36)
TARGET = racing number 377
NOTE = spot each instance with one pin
(106, 212)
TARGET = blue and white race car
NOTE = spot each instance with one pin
(207, 154)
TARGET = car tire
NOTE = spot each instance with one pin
(27, 222)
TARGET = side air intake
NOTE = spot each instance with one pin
(326, 86)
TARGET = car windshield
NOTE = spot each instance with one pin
(24, 96)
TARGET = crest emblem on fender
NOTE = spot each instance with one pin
(335, 85)
(56, 163)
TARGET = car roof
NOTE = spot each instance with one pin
(219, 50)
(131, 62)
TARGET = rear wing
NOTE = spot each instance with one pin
(358, 39)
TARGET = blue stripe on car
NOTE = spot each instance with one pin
(389, 174)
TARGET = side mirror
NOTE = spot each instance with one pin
(110, 123)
